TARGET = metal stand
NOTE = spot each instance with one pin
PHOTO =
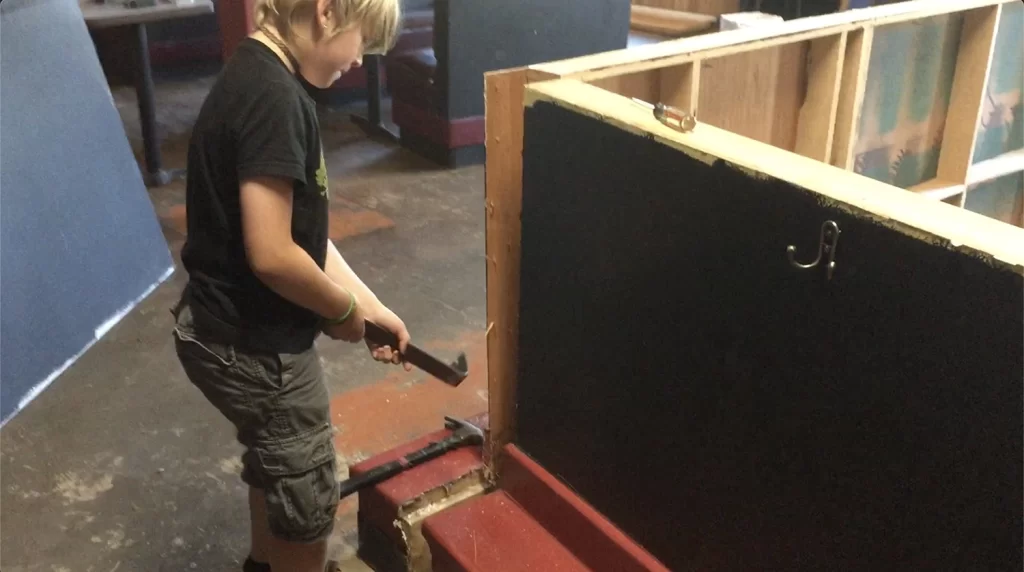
(154, 174)
(372, 124)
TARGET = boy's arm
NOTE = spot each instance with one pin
(275, 258)
(341, 273)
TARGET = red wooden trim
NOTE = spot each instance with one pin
(380, 505)
(235, 20)
(493, 533)
(577, 525)
(450, 133)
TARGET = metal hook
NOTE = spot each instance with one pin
(826, 245)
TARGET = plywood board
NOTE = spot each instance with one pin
(714, 391)
(906, 99)
(776, 75)
(1001, 127)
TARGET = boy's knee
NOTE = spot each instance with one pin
(299, 482)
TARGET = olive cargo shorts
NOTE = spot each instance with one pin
(281, 409)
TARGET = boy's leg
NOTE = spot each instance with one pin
(294, 462)
(281, 408)
(294, 557)
(259, 548)
(279, 555)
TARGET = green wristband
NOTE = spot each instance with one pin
(351, 306)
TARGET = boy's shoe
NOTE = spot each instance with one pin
(251, 565)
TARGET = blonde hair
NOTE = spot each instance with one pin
(380, 19)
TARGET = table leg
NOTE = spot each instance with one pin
(154, 174)
(373, 124)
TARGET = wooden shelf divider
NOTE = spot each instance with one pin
(817, 121)
(851, 96)
(970, 81)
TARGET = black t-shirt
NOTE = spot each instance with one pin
(257, 120)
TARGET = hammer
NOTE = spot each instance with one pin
(463, 434)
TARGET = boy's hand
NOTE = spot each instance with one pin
(352, 329)
(385, 318)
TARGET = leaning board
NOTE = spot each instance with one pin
(81, 243)
(652, 343)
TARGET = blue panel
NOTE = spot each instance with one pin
(80, 240)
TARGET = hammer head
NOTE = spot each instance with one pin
(462, 428)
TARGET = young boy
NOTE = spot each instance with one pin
(264, 279)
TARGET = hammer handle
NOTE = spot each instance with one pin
(387, 470)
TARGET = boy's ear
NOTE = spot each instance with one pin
(323, 13)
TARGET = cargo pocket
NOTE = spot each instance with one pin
(300, 484)
(189, 344)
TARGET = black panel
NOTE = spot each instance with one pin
(731, 412)
(474, 37)
(80, 239)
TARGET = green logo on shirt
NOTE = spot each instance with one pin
(321, 175)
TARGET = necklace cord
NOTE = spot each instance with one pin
(284, 48)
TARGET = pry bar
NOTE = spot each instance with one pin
(451, 373)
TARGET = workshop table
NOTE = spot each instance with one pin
(115, 15)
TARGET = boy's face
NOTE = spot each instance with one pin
(335, 55)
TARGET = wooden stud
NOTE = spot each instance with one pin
(851, 96)
(789, 91)
(817, 120)
(503, 186)
(970, 82)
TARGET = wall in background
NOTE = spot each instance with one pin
(81, 244)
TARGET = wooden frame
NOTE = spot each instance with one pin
(791, 96)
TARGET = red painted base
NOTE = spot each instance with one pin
(494, 533)
(576, 524)
(380, 505)
(533, 522)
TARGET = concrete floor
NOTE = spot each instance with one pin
(121, 465)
